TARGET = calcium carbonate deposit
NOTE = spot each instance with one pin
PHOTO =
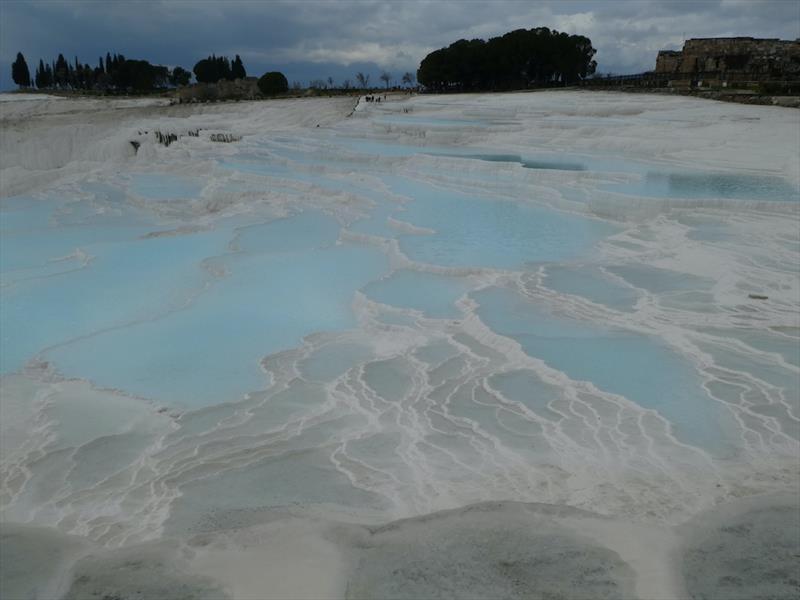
(465, 346)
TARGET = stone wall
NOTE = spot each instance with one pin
(733, 59)
(668, 61)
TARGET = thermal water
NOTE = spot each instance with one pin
(392, 316)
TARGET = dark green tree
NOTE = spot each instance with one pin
(41, 76)
(213, 69)
(180, 76)
(237, 68)
(273, 83)
(61, 72)
(115, 73)
(204, 71)
(140, 75)
(20, 72)
(516, 60)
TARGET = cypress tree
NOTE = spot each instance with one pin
(61, 71)
(87, 80)
(214, 68)
(237, 68)
(20, 72)
(40, 81)
(43, 72)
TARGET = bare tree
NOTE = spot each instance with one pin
(296, 85)
(386, 78)
(346, 84)
(408, 79)
(363, 80)
(330, 82)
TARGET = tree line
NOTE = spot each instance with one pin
(516, 60)
(215, 68)
(117, 73)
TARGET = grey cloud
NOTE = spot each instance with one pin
(313, 39)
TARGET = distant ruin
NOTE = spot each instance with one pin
(723, 62)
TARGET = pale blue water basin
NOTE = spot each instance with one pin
(36, 247)
(374, 223)
(528, 163)
(388, 149)
(765, 340)
(635, 366)
(210, 352)
(158, 186)
(388, 378)
(107, 204)
(37, 231)
(434, 295)
(329, 362)
(741, 361)
(404, 119)
(659, 281)
(367, 147)
(250, 164)
(298, 233)
(266, 165)
(525, 387)
(398, 150)
(592, 284)
(24, 213)
(128, 279)
(479, 232)
(664, 184)
(655, 181)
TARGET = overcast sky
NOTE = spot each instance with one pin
(314, 40)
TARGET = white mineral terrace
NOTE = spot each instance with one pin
(238, 340)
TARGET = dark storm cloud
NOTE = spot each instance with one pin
(308, 39)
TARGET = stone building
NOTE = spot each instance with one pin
(727, 61)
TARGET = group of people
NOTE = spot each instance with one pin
(374, 98)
